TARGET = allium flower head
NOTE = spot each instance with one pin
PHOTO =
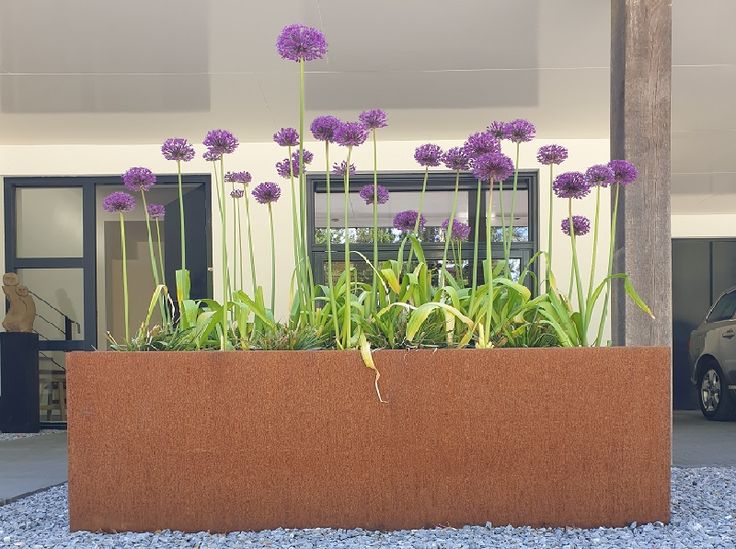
(156, 211)
(139, 179)
(456, 159)
(580, 224)
(323, 127)
(118, 202)
(237, 193)
(405, 221)
(599, 175)
(220, 142)
(571, 185)
(350, 134)
(520, 130)
(286, 137)
(177, 148)
(238, 177)
(308, 156)
(494, 166)
(341, 168)
(286, 168)
(373, 119)
(428, 154)
(366, 193)
(481, 143)
(624, 172)
(211, 156)
(301, 42)
(551, 154)
(460, 230)
(498, 129)
(267, 192)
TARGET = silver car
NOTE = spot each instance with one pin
(713, 356)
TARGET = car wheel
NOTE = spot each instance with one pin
(715, 401)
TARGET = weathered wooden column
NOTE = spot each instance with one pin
(641, 67)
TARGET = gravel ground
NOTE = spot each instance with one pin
(703, 515)
(13, 436)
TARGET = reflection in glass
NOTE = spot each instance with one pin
(49, 222)
(59, 298)
(52, 386)
(519, 229)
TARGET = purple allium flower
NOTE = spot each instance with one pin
(220, 142)
(118, 202)
(520, 130)
(350, 134)
(339, 169)
(405, 221)
(580, 224)
(551, 154)
(308, 157)
(301, 42)
(494, 166)
(366, 193)
(211, 156)
(373, 119)
(286, 137)
(571, 185)
(428, 154)
(237, 193)
(287, 168)
(139, 179)
(624, 171)
(238, 177)
(323, 127)
(156, 211)
(460, 230)
(267, 192)
(498, 129)
(456, 159)
(599, 175)
(481, 143)
(177, 148)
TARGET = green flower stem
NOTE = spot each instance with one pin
(125, 279)
(154, 267)
(235, 242)
(308, 275)
(249, 227)
(239, 245)
(374, 293)
(507, 240)
(330, 283)
(578, 279)
(549, 230)
(296, 224)
(160, 250)
(223, 243)
(181, 218)
(604, 315)
(595, 251)
(489, 264)
(478, 195)
(273, 259)
(448, 231)
(503, 216)
(419, 215)
(346, 192)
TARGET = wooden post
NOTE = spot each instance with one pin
(641, 67)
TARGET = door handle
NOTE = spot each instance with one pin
(728, 334)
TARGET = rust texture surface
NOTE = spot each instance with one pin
(259, 440)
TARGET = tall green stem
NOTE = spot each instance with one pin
(296, 229)
(549, 230)
(478, 195)
(273, 260)
(223, 244)
(374, 287)
(160, 250)
(489, 264)
(346, 319)
(612, 247)
(235, 242)
(125, 279)
(154, 267)
(250, 246)
(448, 231)
(239, 243)
(578, 279)
(419, 216)
(181, 218)
(330, 283)
(508, 239)
(595, 248)
(309, 276)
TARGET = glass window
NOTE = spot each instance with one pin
(501, 215)
(59, 298)
(39, 209)
(52, 386)
(724, 309)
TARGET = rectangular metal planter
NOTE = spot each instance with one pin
(258, 440)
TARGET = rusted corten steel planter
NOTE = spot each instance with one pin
(258, 440)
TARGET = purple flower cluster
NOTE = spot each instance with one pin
(366, 193)
(456, 159)
(297, 42)
(267, 192)
(571, 185)
(494, 166)
(497, 129)
(237, 193)
(551, 154)
(219, 142)
(286, 137)
(350, 134)
(460, 230)
(481, 143)
(139, 179)
(286, 168)
(177, 148)
(238, 177)
(323, 128)
(211, 156)
(373, 119)
(624, 172)
(405, 221)
(118, 202)
(340, 169)
(156, 211)
(519, 130)
(599, 175)
(428, 154)
(308, 156)
(580, 224)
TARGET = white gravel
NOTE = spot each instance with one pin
(703, 515)
(14, 436)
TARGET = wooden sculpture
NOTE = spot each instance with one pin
(22, 311)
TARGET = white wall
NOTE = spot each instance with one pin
(259, 159)
(703, 225)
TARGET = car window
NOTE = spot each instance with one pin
(724, 309)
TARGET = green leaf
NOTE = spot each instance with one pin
(420, 314)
